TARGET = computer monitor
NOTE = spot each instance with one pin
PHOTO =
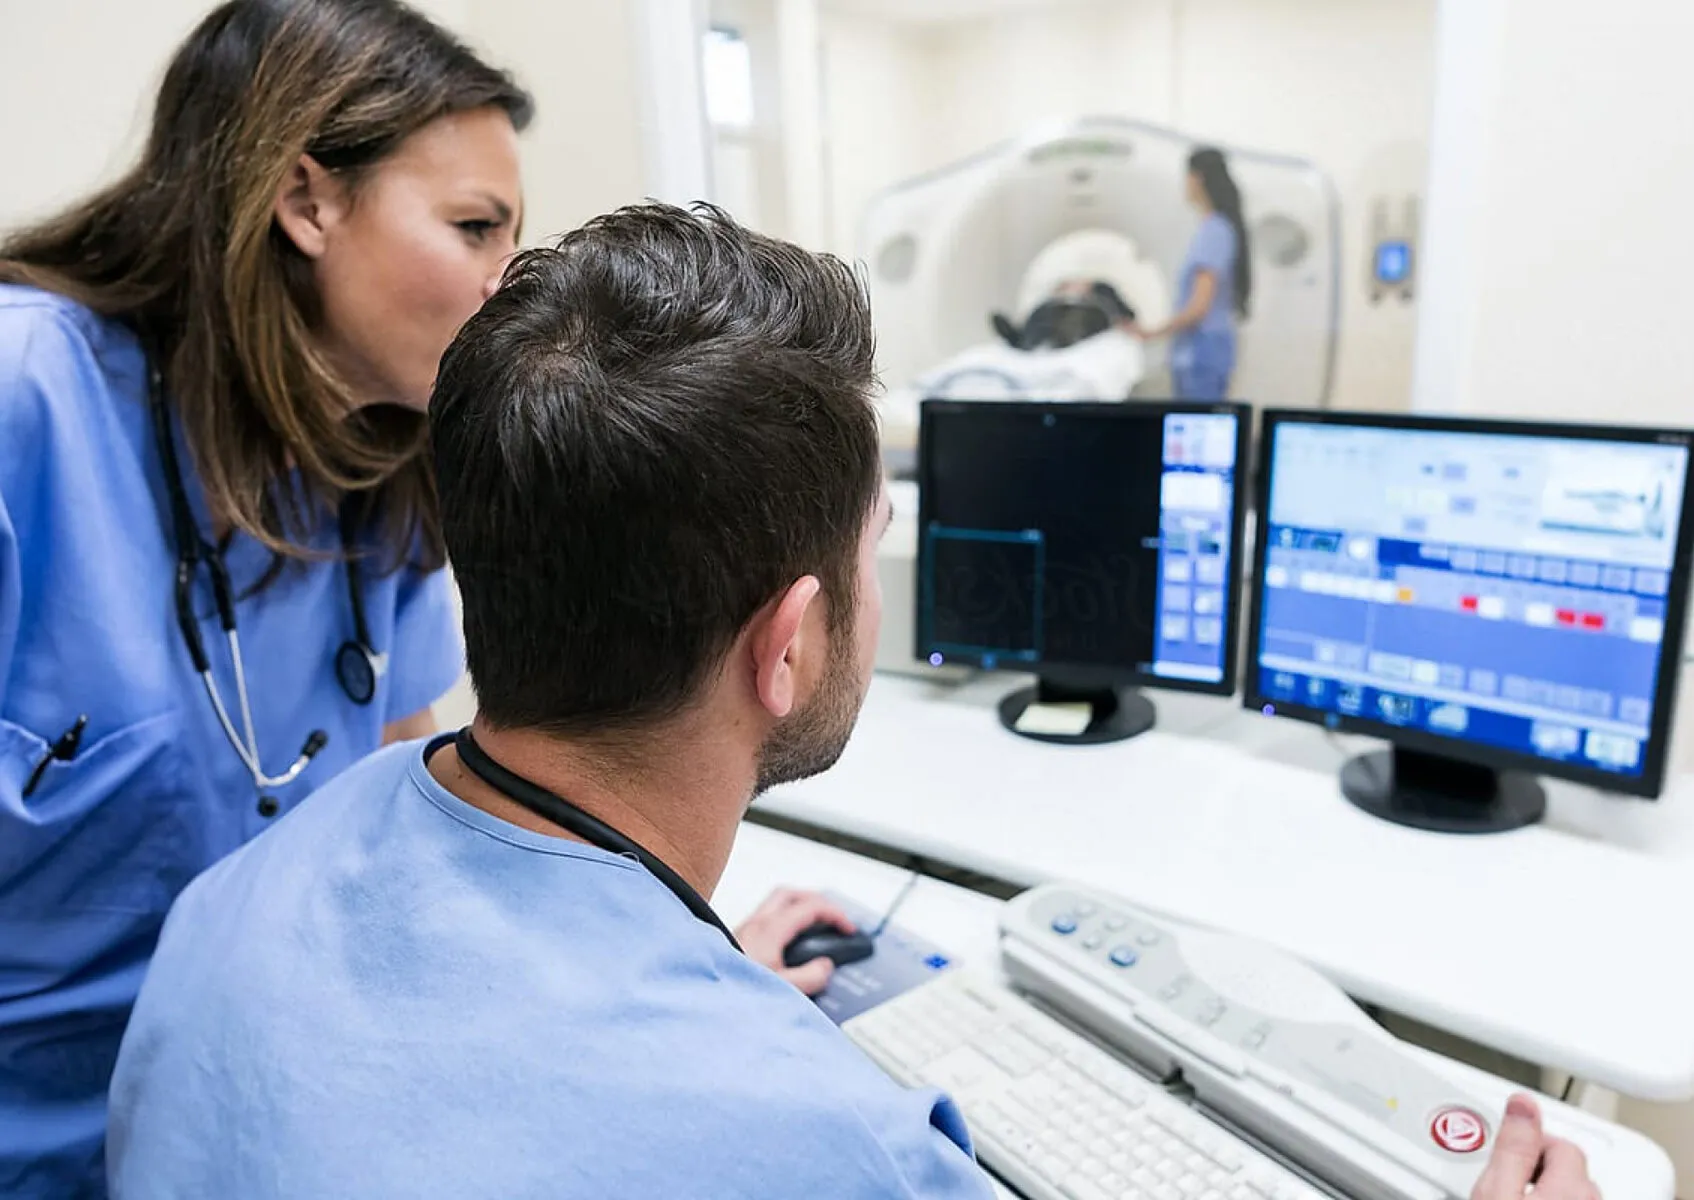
(1497, 599)
(1092, 545)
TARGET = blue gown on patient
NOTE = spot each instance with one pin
(396, 996)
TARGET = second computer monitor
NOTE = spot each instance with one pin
(1092, 545)
(1496, 599)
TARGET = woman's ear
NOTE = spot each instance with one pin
(309, 203)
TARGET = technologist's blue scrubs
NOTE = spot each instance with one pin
(1203, 357)
(398, 996)
(90, 862)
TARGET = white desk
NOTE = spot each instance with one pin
(1563, 944)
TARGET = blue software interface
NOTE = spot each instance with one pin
(1502, 589)
(1068, 536)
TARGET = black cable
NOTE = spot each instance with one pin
(894, 907)
(1570, 1086)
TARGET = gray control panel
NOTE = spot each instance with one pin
(1275, 1029)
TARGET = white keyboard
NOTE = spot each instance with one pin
(1057, 1117)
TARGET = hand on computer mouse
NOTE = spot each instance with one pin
(1520, 1149)
(774, 924)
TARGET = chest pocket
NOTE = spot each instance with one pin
(113, 828)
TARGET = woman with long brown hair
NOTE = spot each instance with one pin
(1215, 286)
(219, 550)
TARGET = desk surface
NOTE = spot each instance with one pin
(1562, 944)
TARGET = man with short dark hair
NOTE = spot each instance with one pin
(658, 458)
(486, 966)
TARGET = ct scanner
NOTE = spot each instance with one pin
(1094, 198)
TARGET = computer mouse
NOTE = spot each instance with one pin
(823, 940)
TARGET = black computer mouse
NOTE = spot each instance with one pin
(823, 940)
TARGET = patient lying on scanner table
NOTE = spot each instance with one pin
(1077, 309)
(1073, 345)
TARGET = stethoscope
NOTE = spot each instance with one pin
(357, 666)
(566, 815)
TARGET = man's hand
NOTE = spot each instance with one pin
(1522, 1147)
(785, 913)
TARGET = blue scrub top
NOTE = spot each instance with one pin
(1203, 357)
(91, 861)
(396, 996)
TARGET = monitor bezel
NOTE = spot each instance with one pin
(1650, 782)
(1092, 674)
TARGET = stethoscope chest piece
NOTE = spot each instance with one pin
(358, 668)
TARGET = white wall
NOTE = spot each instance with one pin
(877, 79)
(1346, 83)
(85, 73)
(584, 153)
(995, 77)
(72, 79)
(1568, 188)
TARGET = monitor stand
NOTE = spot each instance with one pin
(1444, 795)
(1119, 713)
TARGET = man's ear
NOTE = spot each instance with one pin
(309, 203)
(787, 647)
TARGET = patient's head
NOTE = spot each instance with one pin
(656, 447)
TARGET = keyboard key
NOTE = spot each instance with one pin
(1086, 1189)
(1092, 1167)
(959, 1071)
(1052, 1166)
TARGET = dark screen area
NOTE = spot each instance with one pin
(1039, 537)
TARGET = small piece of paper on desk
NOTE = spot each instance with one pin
(1062, 720)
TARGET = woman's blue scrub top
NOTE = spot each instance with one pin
(91, 860)
(1203, 357)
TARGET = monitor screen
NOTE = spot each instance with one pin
(1099, 537)
(1505, 592)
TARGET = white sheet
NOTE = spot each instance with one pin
(1103, 367)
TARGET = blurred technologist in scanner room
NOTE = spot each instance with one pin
(487, 964)
(1215, 287)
